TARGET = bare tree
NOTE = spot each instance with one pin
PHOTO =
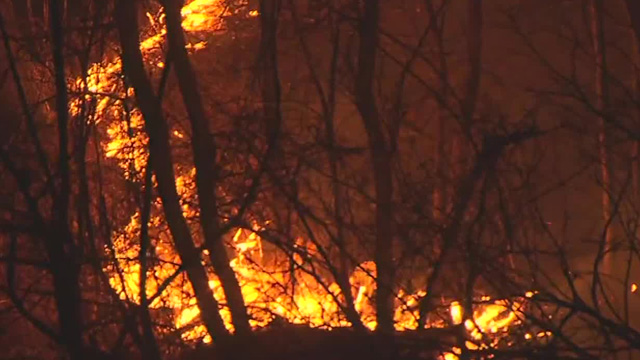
(370, 164)
(204, 154)
(602, 106)
(159, 147)
(381, 157)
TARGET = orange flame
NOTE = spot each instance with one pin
(264, 289)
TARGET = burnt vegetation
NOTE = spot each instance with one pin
(319, 179)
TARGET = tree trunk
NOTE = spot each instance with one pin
(474, 53)
(149, 344)
(381, 160)
(440, 200)
(469, 105)
(162, 164)
(338, 195)
(61, 247)
(602, 105)
(472, 84)
(633, 9)
(271, 93)
(459, 196)
(204, 155)
(328, 102)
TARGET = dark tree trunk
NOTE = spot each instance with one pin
(338, 195)
(633, 8)
(440, 199)
(149, 344)
(204, 154)
(162, 165)
(328, 103)
(602, 107)
(474, 53)
(61, 247)
(463, 192)
(271, 92)
(381, 162)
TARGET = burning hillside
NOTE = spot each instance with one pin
(319, 179)
(266, 286)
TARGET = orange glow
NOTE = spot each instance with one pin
(265, 289)
(456, 312)
(492, 317)
(265, 286)
(204, 15)
(491, 320)
(103, 92)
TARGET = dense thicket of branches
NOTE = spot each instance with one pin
(169, 177)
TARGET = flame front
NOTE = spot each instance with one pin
(266, 290)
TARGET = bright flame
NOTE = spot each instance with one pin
(490, 322)
(265, 288)
(456, 312)
(491, 319)
(104, 97)
(204, 15)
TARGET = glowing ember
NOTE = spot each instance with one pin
(456, 312)
(490, 322)
(204, 15)
(489, 318)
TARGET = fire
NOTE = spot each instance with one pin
(204, 15)
(265, 286)
(490, 320)
(490, 317)
(103, 81)
(104, 96)
(265, 291)
(493, 318)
